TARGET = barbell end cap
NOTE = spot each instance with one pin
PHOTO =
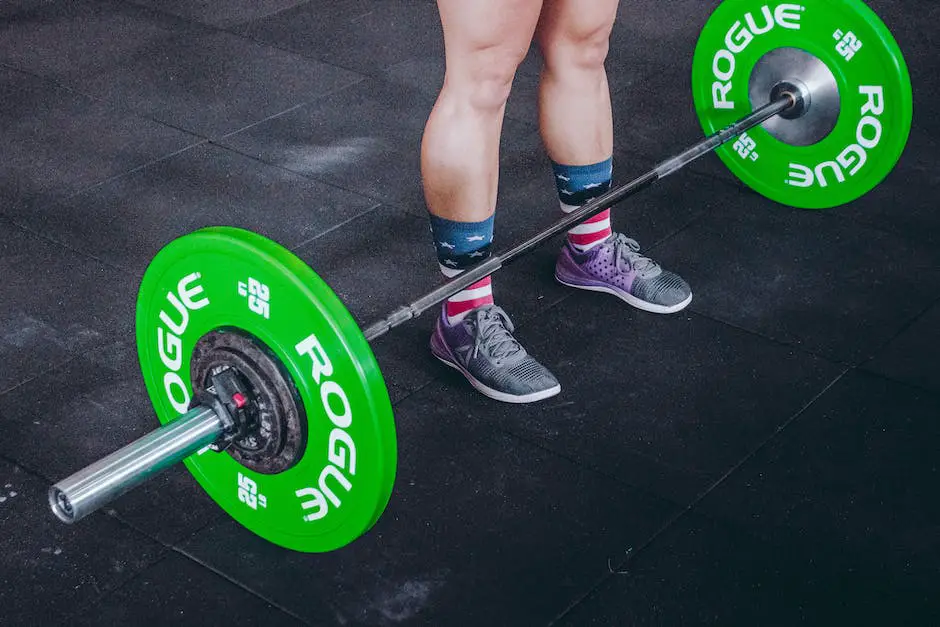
(61, 506)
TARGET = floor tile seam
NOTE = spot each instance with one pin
(365, 212)
(300, 53)
(796, 348)
(35, 473)
(244, 587)
(304, 175)
(267, 16)
(107, 592)
(120, 107)
(228, 28)
(691, 309)
(879, 227)
(236, 30)
(535, 443)
(166, 549)
(597, 470)
(161, 555)
(143, 166)
(39, 375)
(558, 621)
(76, 251)
(687, 510)
(360, 78)
(913, 320)
(108, 510)
(924, 389)
(770, 439)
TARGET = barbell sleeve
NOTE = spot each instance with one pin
(91, 488)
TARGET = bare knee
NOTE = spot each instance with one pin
(482, 79)
(573, 49)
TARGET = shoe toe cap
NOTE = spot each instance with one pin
(667, 289)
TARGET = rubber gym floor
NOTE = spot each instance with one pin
(769, 456)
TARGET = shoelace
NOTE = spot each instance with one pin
(494, 330)
(627, 251)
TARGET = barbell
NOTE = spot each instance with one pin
(268, 391)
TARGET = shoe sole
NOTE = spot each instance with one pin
(489, 392)
(629, 298)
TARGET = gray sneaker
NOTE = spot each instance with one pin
(483, 349)
(617, 267)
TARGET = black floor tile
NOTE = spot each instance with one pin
(12, 7)
(214, 83)
(224, 15)
(912, 355)
(833, 523)
(664, 403)
(365, 139)
(178, 591)
(858, 471)
(55, 304)
(65, 420)
(129, 219)
(362, 35)
(805, 278)
(50, 570)
(57, 142)
(481, 530)
(69, 41)
(906, 22)
(205, 81)
(905, 202)
(702, 572)
(657, 120)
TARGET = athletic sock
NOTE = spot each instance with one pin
(578, 184)
(462, 245)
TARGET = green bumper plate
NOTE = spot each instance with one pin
(229, 278)
(874, 87)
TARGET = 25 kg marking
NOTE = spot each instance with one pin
(258, 295)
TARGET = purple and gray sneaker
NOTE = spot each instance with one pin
(616, 266)
(482, 348)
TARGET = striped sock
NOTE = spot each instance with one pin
(462, 245)
(578, 184)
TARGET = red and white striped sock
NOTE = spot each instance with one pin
(577, 185)
(460, 304)
(591, 232)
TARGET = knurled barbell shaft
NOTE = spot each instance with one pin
(91, 488)
(592, 208)
(100, 483)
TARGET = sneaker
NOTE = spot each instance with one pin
(482, 347)
(616, 266)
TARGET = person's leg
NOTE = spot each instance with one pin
(577, 129)
(485, 40)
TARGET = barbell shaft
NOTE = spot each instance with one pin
(91, 488)
(592, 208)
(100, 483)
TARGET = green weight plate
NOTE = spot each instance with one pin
(224, 278)
(873, 119)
